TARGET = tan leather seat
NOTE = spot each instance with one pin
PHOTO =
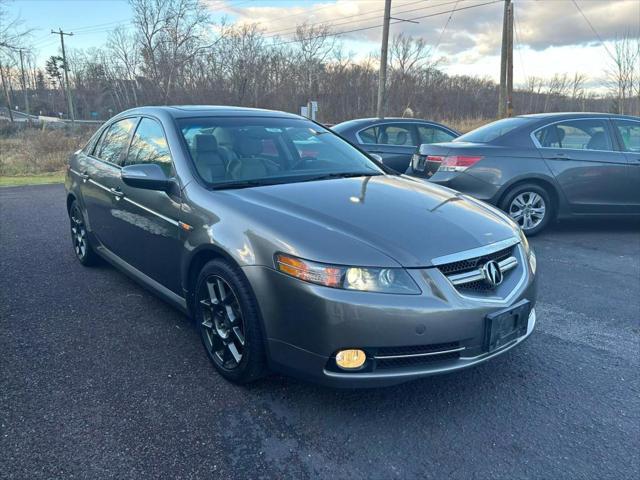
(209, 162)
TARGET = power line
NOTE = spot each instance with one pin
(287, 30)
(519, 42)
(380, 25)
(435, 49)
(594, 30)
(359, 20)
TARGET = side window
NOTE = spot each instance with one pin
(370, 135)
(402, 135)
(115, 140)
(630, 134)
(576, 135)
(390, 134)
(93, 141)
(431, 134)
(149, 145)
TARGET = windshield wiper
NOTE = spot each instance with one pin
(242, 184)
(328, 176)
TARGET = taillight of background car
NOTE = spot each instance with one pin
(458, 163)
(443, 163)
(419, 161)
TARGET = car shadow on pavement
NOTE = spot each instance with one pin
(594, 224)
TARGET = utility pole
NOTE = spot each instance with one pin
(66, 74)
(510, 61)
(382, 79)
(24, 86)
(6, 92)
(504, 60)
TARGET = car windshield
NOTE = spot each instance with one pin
(250, 151)
(493, 130)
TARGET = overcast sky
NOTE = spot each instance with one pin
(551, 37)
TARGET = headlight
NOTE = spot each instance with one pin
(382, 280)
(531, 256)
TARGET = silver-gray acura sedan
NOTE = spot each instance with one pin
(294, 251)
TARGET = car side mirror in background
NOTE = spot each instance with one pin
(377, 157)
(148, 176)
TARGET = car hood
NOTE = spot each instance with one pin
(409, 220)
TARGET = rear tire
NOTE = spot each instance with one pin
(85, 253)
(530, 206)
(228, 320)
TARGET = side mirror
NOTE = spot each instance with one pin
(148, 176)
(377, 157)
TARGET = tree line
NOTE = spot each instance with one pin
(174, 54)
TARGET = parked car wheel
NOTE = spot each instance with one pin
(81, 244)
(227, 317)
(530, 206)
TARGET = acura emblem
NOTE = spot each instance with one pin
(492, 273)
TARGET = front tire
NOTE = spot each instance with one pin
(79, 238)
(228, 320)
(530, 206)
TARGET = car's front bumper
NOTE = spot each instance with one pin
(306, 324)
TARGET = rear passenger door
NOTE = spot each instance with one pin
(100, 170)
(628, 132)
(395, 142)
(147, 221)
(583, 156)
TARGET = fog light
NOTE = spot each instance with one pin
(350, 359)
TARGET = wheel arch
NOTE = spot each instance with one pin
(192, 267)
(70, 199)
(547, 183)
(194, 264)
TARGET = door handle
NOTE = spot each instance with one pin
(84, 176)
(561, 156)
(116, 193)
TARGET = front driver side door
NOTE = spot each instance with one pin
(148, 220)
(100, 172)
(583, 156)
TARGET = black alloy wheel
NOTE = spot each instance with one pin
(227, 318)
(79, 238)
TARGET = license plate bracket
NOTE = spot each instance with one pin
(506, 325)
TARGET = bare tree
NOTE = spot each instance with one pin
(623, 74)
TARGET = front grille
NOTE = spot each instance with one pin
(414, 361)
(415, 355)
(469, 275)
(469, 264)
(416, 349)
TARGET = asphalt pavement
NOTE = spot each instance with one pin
(100, 379)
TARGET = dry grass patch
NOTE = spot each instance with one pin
(33, 151)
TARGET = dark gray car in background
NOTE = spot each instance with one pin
(540, 167)
(294, 251)
(394, 140)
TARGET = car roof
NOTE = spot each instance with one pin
(360, 122)
(385, 119)
(560, 115)
(188, 111)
